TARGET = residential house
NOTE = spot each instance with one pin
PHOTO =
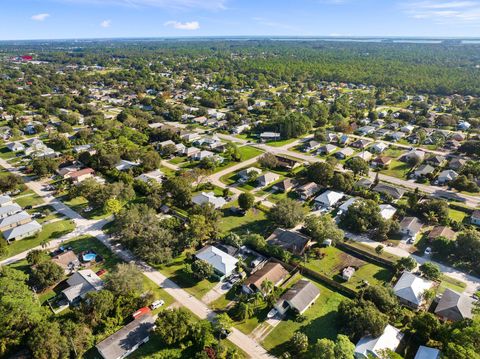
(328, 199)
(289, 240)
(436, 160)
(454, 306)
(387, 211)
(424, 352)
(209, 197)
(327, 149)
(441, 231)
(396, 136)
(190, 137)
(284, 186)
(344, 207)
(180, 148)
(423, 171)
(68, 260)
(307, 190)
(456, 164)
(416, 155)
(348, 273)
(312, 145)
(378, 147)
(270, 136)
(5, 200)
(410, 289)
(365, 130)
(247, 172)
(298, 298)
(382, 162)
(364, 155)
(447, 176)
(128, 339)
(407, 128)
(343, 140)
(287, 163)
(204, 154)
(22, 231)
(14, 220)
(191, 151)
(166, 143)
(410, 226)
(223, 263)
(155, 176)
(267, 179)
(80, 283)
(344, 153)
(360, 144)
(124, 165)
(475, 218)
(8, 210)
(370, 347)
(81, 175)
(15, 146)
(364, 183)
(271, 271)
(385, 189)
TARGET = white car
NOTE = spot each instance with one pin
(157, 304)
(428, 251)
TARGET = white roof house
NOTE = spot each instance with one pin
(81, 283)
(124, 165)
(378, 147)
(424, 352)
(371, 347)
(9, 209)
(152, 176)
(387, 211)
(223, 262)
(447, 176)
(5, 200)
(14, 219)
(22, 231)
(267, 178)
(209, 197)
(15, 146)
(344, 207)
(329, 198)
(410, 289)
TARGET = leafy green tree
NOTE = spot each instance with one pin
(426, 326)
(358, 166)
(323, 349)
(44, 166)
(37, 256)
(47, 342)
(344, 348)
(268, 160)
(47, 273)
(222, 322)
(174, 326)
(200, 269)
(125, 279)
(79, 337)
(287, 213)
(361, 216)
(361, 317)
(179, 189)
(112, 205)
(10, 182)
(406, 263)
(97, 307)
(430, 270)
(299, 343)
(321, 173)
(246, 200)
(383, 297)
(321, 228)
(243, 311)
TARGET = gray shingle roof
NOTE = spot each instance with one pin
(454, 306)
(301, 295)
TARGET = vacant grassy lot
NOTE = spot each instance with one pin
(254, 221)
(79, 204)
(248, 152)
(175, 272)
(397, 169)
(319, 323)
(281, 142)
(335, 260)
(50, 231)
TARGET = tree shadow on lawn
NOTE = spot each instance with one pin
(384, 275)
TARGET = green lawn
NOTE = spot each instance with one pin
(255, 221)
(451, 283)
(371, 251)
(248, 152)
(78, 204)
(397, 169)
(457, 215)
(281, 142)
(335, 260)
(6, 154)
(393, 152)
(49, 231)
(319, 323)
(175, 272)
(32, 199)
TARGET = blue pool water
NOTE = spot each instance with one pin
(89, 257)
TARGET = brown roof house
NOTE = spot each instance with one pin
(382, 162)
(298, 298)
(273, 272)
(441, 231)
(454, 306)
(284, 186)
(67, 260)
(288, 240)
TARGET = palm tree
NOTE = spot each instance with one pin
(244, 311)
(257, 298)
(45, 242)
(267, 286)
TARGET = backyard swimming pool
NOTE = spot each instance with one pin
(88, 257)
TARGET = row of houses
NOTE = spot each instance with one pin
(15, 223)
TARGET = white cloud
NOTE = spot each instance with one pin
(444, 12)
(106, 23)
(40, 17)
(171, 4)
(192, 25)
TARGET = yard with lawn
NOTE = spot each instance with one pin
(254, 221)
(450, 283)
(248, 152)
(80, 204)
(397, 169)
(281, 143)
(319, 322)
(175, 271)
(393, 152)
(49, 231)
(335, 260)
(28, 199)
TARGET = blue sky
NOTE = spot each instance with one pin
(50, 19)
